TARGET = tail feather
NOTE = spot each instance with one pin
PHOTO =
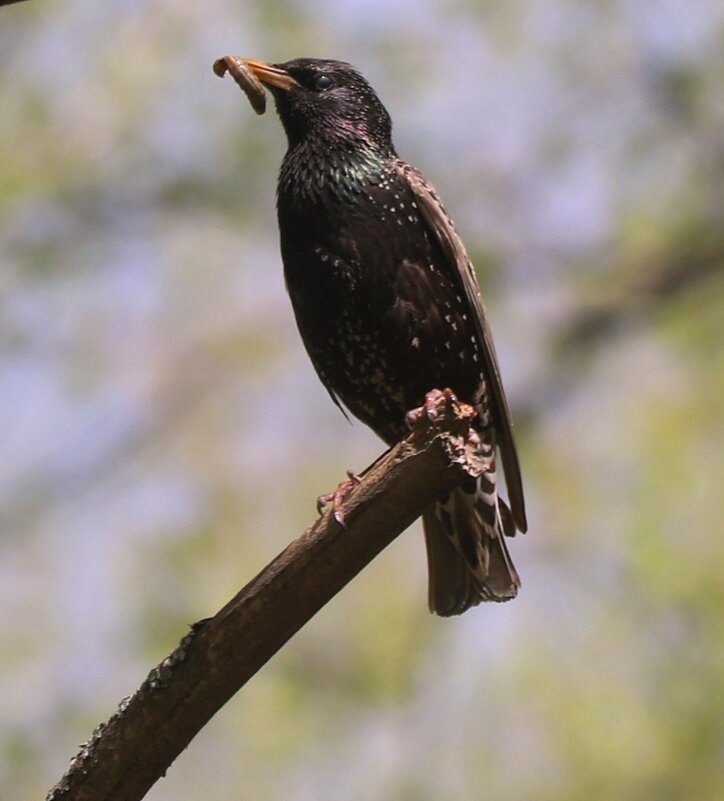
(452, 589)
(468, 559)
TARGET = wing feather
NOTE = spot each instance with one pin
(444, 232)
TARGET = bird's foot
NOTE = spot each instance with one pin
(337, 497)
(436, 402)
(442, 410)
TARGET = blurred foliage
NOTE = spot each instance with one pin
(164, 436)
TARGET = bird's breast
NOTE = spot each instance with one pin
(380, 315)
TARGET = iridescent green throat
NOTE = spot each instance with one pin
(316, 171)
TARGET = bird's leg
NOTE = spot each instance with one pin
(336, 497)
(436, 401)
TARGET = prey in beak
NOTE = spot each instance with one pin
(253, 76)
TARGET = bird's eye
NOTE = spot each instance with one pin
(323, 82)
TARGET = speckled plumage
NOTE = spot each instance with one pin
(388, 307)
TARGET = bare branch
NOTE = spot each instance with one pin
(128, 753)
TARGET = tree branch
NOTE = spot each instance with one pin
(128, 753)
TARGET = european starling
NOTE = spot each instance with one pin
(388, 306)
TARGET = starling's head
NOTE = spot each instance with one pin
(327, 100)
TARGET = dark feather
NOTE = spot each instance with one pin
(435, 216)
(388, 307)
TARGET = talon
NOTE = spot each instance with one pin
(430, 408)
(337, 497)
(322, 501)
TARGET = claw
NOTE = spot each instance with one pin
(337, 497)
(430, 408)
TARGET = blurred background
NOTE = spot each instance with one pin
(164, 436)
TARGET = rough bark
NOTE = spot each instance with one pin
(135, 747)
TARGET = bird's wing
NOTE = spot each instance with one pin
(444, 232)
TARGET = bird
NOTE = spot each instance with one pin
(388, 306)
